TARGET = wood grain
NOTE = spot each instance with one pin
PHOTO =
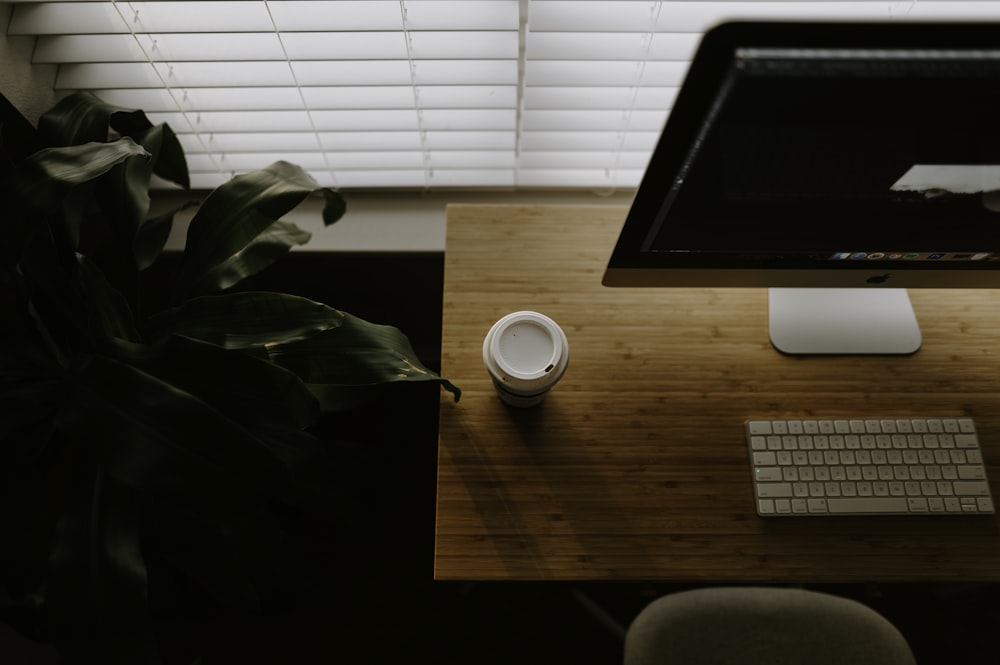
(635, 467)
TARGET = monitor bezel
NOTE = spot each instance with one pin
(629, 266)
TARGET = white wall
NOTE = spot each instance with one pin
(393, 221)
(28, 87)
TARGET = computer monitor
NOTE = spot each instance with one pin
(837, 164)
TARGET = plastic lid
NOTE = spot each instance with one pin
(527, 351)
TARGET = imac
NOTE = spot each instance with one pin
(837, 164)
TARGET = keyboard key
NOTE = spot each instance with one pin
(817, 505)
(868, 505)
(971, 488)
(969, 504)
(764, 459)
(774, 490)
(768, 473)
(966, 441)
(971, 473)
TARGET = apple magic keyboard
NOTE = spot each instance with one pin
(867, 466)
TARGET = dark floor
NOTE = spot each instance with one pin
(381, 604)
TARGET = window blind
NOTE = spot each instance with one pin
(410, 94)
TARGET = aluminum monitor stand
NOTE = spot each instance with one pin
(842, 321)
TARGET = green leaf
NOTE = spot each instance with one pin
(270, 245)
(55, 302)
(171, 165)
(164, 442)
(235, 215)
(110, 315)
(75, 125)
(335, 206)
(247, 319)
(253, 392)
(168, 156)
(152, 235)
(355, 354)
(73, 165)
(123, 195)
(80, 117)
(47, 178)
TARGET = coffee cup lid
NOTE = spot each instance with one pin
(527, 348)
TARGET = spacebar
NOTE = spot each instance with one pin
(868, 505)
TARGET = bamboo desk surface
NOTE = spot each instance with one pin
(636, 467)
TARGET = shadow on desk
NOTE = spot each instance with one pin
(564, 496)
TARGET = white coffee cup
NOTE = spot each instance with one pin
(526, 353)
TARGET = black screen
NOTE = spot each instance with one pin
(827, 146)
(808, 152)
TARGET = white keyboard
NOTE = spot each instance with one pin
(865, 466)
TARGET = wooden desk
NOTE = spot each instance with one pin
(635, 467)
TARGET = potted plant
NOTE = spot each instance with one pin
(142, 433)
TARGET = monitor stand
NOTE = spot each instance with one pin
(842, 321)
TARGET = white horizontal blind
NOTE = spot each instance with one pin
(410, 93)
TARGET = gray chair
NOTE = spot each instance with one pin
(762, 625)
